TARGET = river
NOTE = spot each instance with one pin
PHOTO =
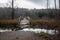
(35, 30)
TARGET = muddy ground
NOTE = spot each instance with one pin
(19, 35)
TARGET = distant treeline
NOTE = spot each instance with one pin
(5, 13)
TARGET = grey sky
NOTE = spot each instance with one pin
(31, 4)
(43, 3)
(38, 1)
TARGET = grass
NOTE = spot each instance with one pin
(44, 35)
(44, 22)
(8, 23)
(41, 22)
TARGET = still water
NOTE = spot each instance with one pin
(35, 30)
(38, 30)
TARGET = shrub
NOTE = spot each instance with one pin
(8, 23)
(33, 23)
(50, 23)
(44, 35)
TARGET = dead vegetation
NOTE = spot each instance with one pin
(42, 22)
(45, 22)
(8, 23)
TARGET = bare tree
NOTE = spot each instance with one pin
(11, 5)
(47, 4)
(59, 4)
(12, 14)
(55, 3)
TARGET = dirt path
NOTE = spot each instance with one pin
(19, 35)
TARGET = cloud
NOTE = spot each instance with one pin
(52, 4)
(44, 3)
(38, 2)
(28, 4)
(3, 1)
(31, 4)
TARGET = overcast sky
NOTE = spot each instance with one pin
(30, 4)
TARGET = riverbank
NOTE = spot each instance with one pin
(25, 35)
(19, 35)
(51, 23)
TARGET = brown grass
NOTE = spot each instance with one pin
(44, 22)
(9, 23)
(41, 22)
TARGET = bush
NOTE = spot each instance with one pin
(33, 23)
(8, 23)
(44, 35)
(50, 23)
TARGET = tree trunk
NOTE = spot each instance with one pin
(12, 14)
(55, 3)
(47, 4)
